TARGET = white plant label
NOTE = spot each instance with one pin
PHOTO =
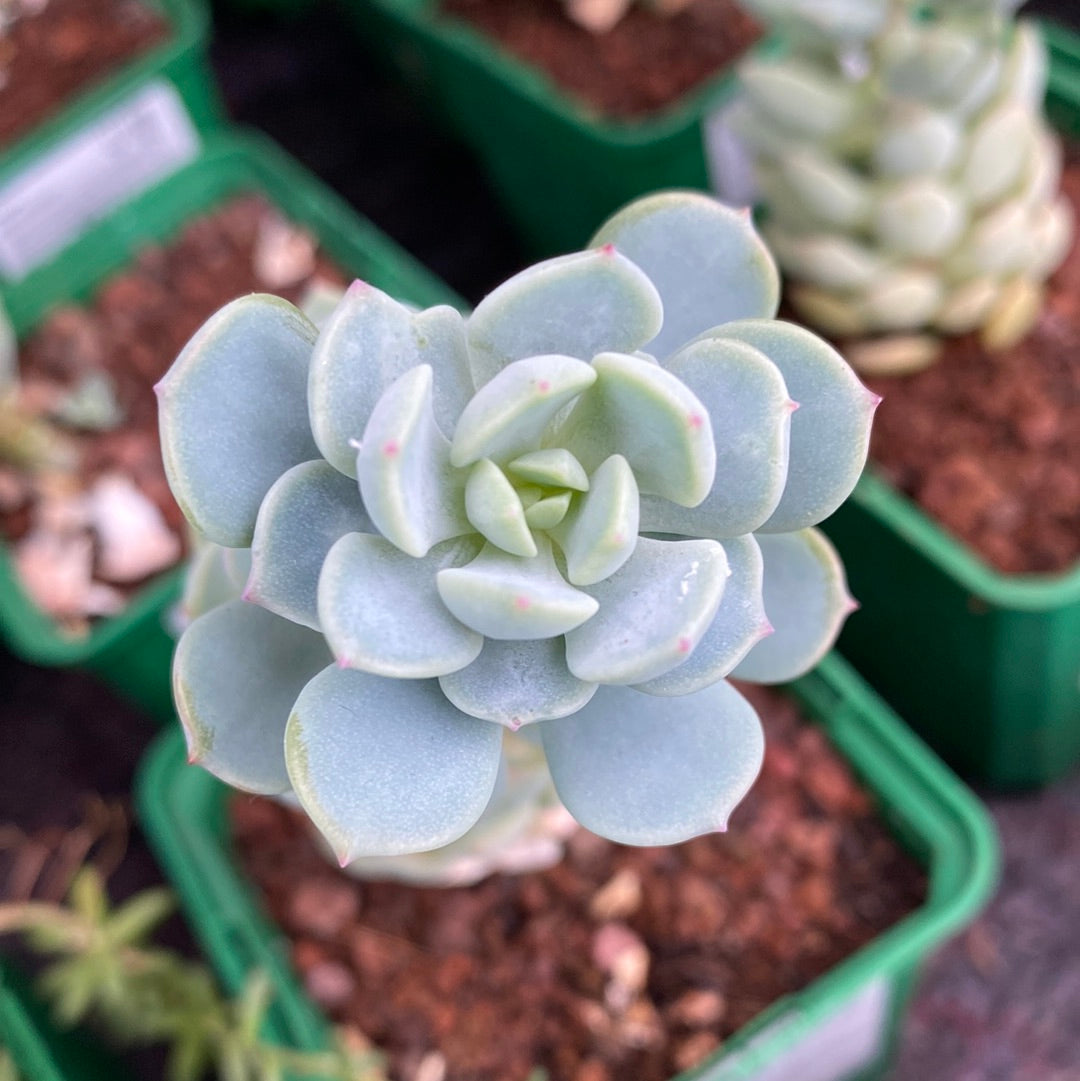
(48, 204)
(731, 172)
(839, 1047)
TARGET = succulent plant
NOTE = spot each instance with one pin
(520, 519)
(600, 16)
(909, 178)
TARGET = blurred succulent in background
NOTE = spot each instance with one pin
(600, 16)
(104, 968)
(518, 520)
(909, 179)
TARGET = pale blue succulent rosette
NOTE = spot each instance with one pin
(575, 513)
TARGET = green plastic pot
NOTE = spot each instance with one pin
(132, 651)
(38, 1051)
(22, 1037)
(984, 665)
(558, 168)
(841, 1027)
(102, 148)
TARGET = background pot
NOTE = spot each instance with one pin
(985, 666)
(840, 1027)
(133, 650)
(102, 148)
(38, 1051)
(558, 168)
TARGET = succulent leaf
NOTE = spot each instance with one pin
(494, 508)
(549, 512)
(750, 406)
(806, 600)
(349, 767)
(367, 343)
(518, 683)
(381, 612)
(509, 414)
(413, 496)
(306, 511)
(601, 533)
(555, 467)
(639, 410)
(653, 611)
(655, 771)
(236, 673)
(738, 625)
(232, 415)
(507, 597)
(706, 260)
(214, 575)
(604, 301)
(830, 431)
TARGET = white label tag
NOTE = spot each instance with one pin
(841, 1046)
(731, 171)
(49, 203)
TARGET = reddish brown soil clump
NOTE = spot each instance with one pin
(46, 58)
(647, 62)
(618, 963)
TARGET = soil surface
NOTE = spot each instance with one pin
(56, 48)
(132, 331)
(648, 61)
(620, 962)
(988, 444)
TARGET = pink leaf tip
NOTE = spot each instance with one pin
(358, 287)
(608, 249)
(792, 405)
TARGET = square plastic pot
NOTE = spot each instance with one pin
(132, 651)
(38, 1051)
(984, 665)
(842, 1027)
(558, 168)
(115, 139)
